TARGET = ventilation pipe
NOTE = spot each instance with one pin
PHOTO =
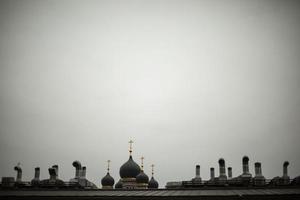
(83, 172)
(257, 166)
(229, 169)
(56, 170)
(245, 165)
(19, 174)
(285, 169)
(37, 173)
(77, 166)
(222, 173)
(197, 171)
(212, 173)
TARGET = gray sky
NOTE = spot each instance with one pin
(188, 81)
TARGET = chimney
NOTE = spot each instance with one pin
(37, 173)
(285, 168)
(212, 173)
(197, 171)
(229, 172)
(245, 165)
(19, 174)
(222, 173)
(56, 170)
(257, 166)
(52, 173)
(77, 166)
(83, 172)
(259, 179)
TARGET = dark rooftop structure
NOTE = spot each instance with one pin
(215, 193)
(135, 184)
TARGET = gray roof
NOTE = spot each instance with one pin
(153, 193)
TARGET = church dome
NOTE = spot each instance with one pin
(129, 169)
(152, 183)
(142, 177)
(119, 184)
(107, 180)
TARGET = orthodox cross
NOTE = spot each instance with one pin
(152, 169)
(142, 165)
(108, 162)
(130, 146)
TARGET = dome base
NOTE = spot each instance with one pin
(129, 183)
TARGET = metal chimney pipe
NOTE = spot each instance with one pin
(83, 172)
(222, 167)
(77, 166)
(56, 170)
(52, 173)
(229, 172)
(257, 167)
(285, 168)
(245, 165)
(197, 171)
(19, 173)
(212, 173)
(37, 173)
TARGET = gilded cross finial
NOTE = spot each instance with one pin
(152, 169)
(130, 146)
(108, 162)
(142, 165)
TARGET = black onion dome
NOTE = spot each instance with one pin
(129, 169)
(142, 177)
(107, 180)
(119, 184)
(152, 183)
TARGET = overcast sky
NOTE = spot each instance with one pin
(188, 81)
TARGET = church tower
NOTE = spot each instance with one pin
(129, 171)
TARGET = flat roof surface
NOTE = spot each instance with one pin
(153, 193)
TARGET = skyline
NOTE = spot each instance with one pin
(141, 165)
(189, 81)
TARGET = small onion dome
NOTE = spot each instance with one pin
(152, 183)
(129, 169)
(107, 180)
(142, 177)
(119, 184)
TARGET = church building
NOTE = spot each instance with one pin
(132, 176)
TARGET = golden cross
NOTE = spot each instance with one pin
(152, 166)
(108, 161)
(142, 165)
(130, 146)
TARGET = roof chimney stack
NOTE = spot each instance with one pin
(56, 170)
(52, 173)
(197, 171)
(245, 165)
(229, 169)
(19, 174)
(37, 173)
(285, 169)
(259, 179)
(83, 172)
(285, 180)
(257, 166)
(246, 175)
(222, 174)
(197, 177)
(36, 180)
(77, 166)
(212, 173)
